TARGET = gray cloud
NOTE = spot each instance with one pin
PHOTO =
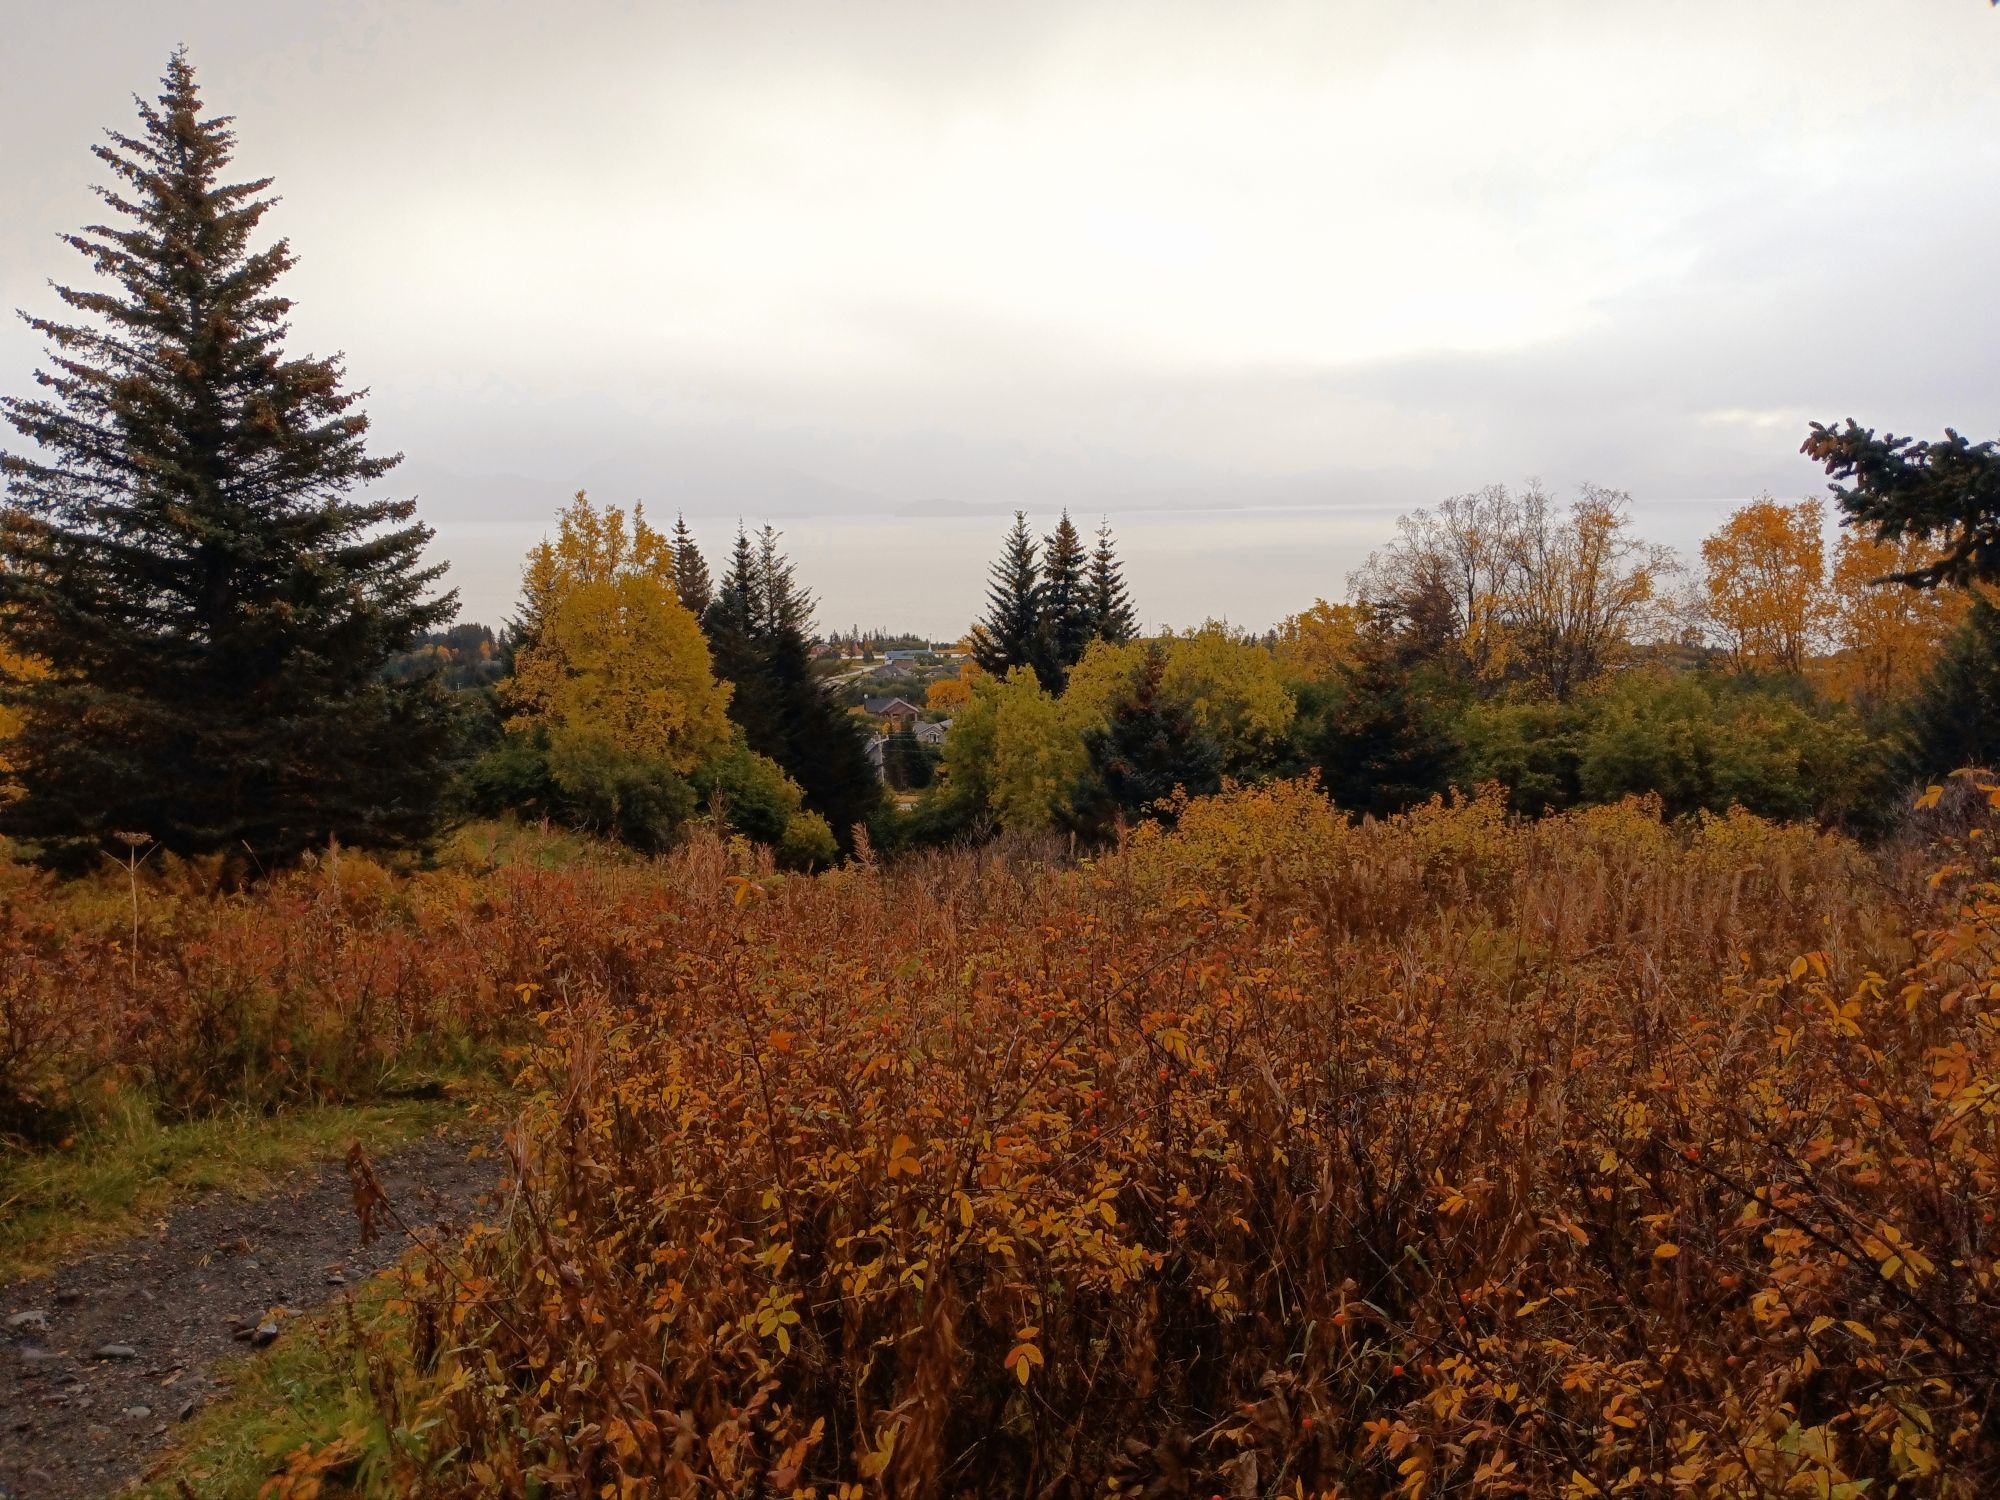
(882, 271)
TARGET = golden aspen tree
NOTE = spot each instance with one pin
(1038, 758)
(1314, 644)
(1230, 685)
(1886, 635)
(947, 695)
(611, 653)
(590, 545)
(1764, 584)
(1013, 756)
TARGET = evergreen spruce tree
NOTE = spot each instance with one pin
(757, 634)
(735, 644)
(183, 554)
(904, 764)
(1386, 744)
(1944, 493)
(787, 608)
(1010, 635)
(1111, 616)
(1150, 746)
(1954, 721)
(1067, 618)
(690, 572)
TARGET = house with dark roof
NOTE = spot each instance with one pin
(894, 713)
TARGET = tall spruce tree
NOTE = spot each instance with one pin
(757, 633)
(1945, 494)
(1010, 635)
(1111, 615)
(1149, 746)
(1954, 720)
(904, 764)
(787, 608)
(691, 581)
(182, 553)
(1068, 622)
(1386, 743)
(734, 641)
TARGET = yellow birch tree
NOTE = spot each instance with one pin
(1314, 644)
(1886, 635)
(611, 652)
(1764, 587)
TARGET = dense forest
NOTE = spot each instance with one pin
(1524, 1028)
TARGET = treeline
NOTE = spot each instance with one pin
(1049, 603)
(211, 645)
(1507, 638)
(641, 696)
(869, 644)
(464, 656)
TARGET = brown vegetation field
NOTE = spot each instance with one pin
(1270, 1155)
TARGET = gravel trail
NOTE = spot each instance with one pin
(101, 1359)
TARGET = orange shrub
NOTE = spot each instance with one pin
(330, 982)
(1583, 1158)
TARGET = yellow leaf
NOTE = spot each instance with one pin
(1022, 1359)
(874, 1463)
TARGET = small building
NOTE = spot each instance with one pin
(894, 713)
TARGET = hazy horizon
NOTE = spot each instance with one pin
(1246, 281)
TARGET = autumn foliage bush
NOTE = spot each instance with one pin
(339, 980)
(1273, 1155)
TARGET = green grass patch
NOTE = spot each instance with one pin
(311, 1387)
(127, 1168)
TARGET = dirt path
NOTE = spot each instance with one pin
(98, 1361)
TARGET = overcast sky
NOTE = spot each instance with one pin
(1247, 278)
